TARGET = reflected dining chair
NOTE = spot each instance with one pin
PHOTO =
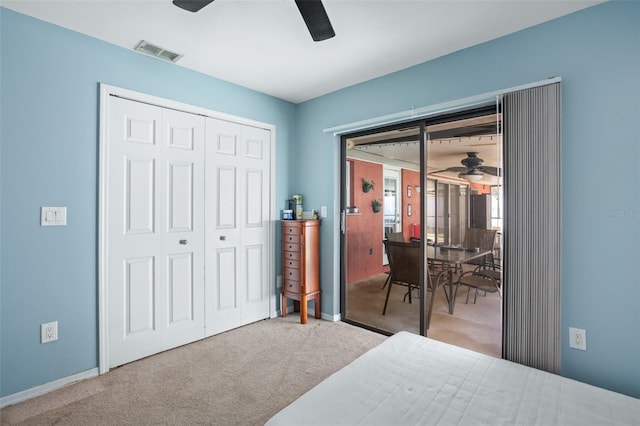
(485, 277)
(404, 263)
(392, 236)
(395, 236)
(484, 239)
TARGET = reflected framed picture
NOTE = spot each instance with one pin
(409, 191)
(409, 210)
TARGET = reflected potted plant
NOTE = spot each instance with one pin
(367, 185)
(376, 205)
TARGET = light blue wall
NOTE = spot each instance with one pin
(49, 156)
(597, 54)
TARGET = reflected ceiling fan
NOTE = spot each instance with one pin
(312, 11)
(473, 169)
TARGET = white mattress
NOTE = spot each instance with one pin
(413, 380)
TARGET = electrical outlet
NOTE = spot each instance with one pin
(49, 332)
(578, 338)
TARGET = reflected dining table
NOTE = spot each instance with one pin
(453, 256)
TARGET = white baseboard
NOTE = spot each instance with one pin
(332, 318)
(46, 388)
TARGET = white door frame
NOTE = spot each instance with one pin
(106, 91)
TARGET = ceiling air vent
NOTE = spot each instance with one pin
(157, 52)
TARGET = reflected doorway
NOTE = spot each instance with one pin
(391, 205)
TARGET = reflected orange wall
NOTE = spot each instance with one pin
(364, 229)
(482, 189)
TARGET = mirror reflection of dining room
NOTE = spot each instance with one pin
(460, 230)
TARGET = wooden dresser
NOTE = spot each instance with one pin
(301, 265)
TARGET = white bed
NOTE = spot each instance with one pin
(413, 380)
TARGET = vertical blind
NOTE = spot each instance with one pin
(532, 322)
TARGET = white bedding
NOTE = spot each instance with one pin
(413, 380)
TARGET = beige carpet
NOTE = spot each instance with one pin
(472, 326)
(241, 377)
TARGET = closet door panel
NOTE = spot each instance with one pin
(155, 229)
(238, 208)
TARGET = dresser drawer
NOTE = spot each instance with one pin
(291, 263)
(291, 255)
(291, 286)
(291, 247)
(290, 238)
(290, 230)
(291, 274)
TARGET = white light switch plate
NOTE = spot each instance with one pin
(53, 216)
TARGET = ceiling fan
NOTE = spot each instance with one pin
(473, 169)
(312, 11)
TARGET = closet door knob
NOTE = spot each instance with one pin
(183, 242)
(223, 238)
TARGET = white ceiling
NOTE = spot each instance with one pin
(264, 44)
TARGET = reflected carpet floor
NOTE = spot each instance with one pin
(473, 326)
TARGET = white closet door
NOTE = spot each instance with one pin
(155, 225)
(255, 223)
(183, 227)
(237, 181)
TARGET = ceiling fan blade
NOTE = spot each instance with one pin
(494, 171)
(191, 5)
(451, 169)
(316, 18)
